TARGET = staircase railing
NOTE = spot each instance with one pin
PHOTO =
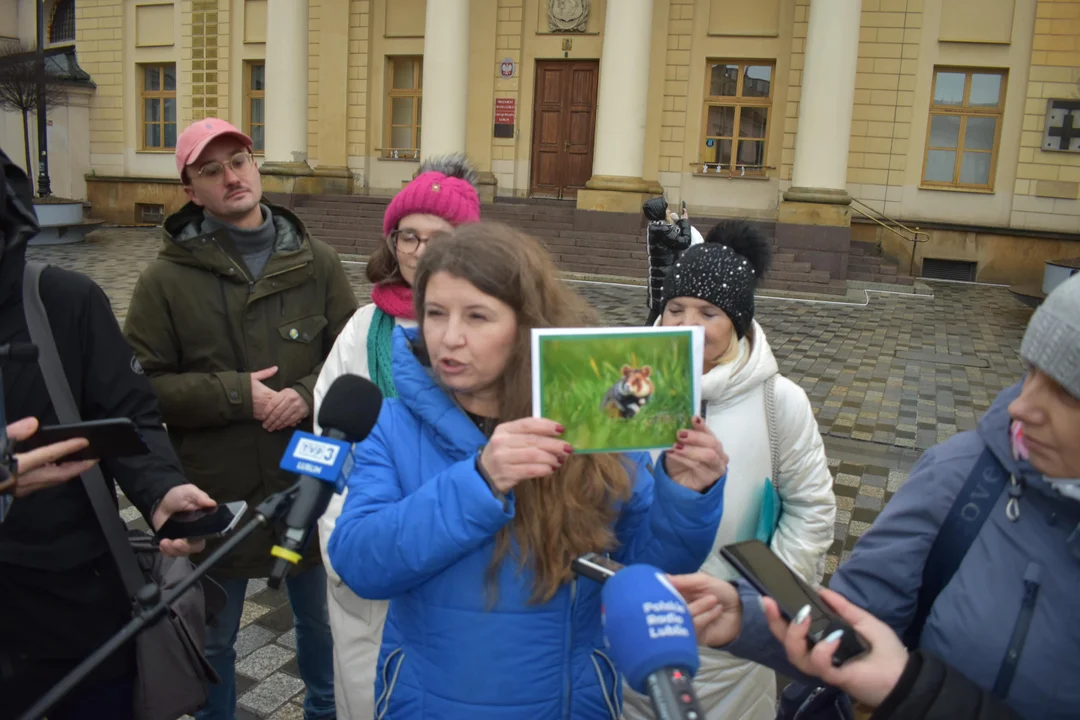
(896, 227)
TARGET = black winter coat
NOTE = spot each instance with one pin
(60, 595)
(666, 242)
(931, 690)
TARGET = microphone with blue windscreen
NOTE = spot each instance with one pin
(348, 415)
(650, 633)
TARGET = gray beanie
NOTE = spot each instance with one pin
(1052, 340)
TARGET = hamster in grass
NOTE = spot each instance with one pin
(627, 396)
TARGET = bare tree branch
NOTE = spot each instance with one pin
(19, 89)
(18, 81)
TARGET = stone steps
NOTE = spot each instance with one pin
(587, 243)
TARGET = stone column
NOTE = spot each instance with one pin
(619, 149)
(332, 174)
(446, 77)
(286, 95)
(815, 217)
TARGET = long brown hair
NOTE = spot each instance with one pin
(572, 511)
(382, 265)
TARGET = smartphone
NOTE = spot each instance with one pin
(683, 208)
(207, 523)
(596, 567)
(771, 576)
(112, 438)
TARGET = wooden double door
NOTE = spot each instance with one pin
(564, 127)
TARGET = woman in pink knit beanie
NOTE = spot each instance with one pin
(441, 197)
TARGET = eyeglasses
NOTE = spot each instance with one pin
(215, 171)
(408, 241)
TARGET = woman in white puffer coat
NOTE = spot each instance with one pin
(768, 428)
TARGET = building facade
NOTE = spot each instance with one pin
(69, 120)
(960, 117)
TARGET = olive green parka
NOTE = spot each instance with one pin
(199, 325)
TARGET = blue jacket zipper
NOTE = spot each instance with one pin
(1019, 634)
(567, 686)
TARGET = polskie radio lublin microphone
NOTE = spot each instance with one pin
(650, 633)
(347, 415)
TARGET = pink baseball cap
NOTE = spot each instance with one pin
(201, 133)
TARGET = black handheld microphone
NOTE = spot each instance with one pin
(348, 414)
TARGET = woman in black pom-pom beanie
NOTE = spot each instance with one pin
(779, 488)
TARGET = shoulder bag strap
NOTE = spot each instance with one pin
(67, 411)
(962, 525)
(774, 433)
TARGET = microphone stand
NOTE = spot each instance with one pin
(153, 605)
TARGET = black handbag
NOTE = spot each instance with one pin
(172, 672)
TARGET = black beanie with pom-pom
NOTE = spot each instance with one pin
(723, 270)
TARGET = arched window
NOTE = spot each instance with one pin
(62, 27)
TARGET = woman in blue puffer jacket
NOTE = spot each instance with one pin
(465, 512)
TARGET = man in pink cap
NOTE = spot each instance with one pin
(232, 323)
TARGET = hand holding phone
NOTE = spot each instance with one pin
(771, 577)
(45, 466)
(869, 678)
(109, 438)
(204, 523)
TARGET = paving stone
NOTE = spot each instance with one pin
(848, 479)
(873, 479)
(264, 662)
(288, 639)
(867, 502)
(254, 587)
(856, 529)
(289, 712)
(292, 667)
(271, 694)
(252, 612)
(251, 639)
(896, 479)
(270, 598)
(280, 620)
(244, 683)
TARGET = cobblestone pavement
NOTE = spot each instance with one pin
(887, 379)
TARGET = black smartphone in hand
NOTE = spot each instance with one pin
(771, 576)
(205, 523)
(111, 438)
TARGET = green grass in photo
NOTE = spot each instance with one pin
(577, 371)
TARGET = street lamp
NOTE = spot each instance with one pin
(44, 189)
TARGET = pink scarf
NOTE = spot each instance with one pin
(395, 300)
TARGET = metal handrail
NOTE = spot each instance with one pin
(917, 236)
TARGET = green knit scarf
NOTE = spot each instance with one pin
(379, 352)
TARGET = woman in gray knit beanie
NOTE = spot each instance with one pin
(1046, 416)
(975, 562)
